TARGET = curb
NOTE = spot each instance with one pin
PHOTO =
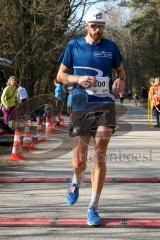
(76, 222)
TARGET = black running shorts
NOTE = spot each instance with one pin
(86, 122)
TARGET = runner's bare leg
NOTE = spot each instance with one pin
(80, 150)
(99, 170)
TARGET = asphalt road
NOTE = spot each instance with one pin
(133, 153)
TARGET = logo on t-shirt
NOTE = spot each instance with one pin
(103, 54)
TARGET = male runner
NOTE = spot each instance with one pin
(92, 59)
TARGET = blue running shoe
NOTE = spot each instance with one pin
(93, 217)
(73, 194)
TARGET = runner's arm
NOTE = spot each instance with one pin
(64, 77)
(120, 72)
(118, 85)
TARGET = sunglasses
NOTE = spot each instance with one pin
(97, 26)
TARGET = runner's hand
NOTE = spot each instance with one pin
(87, 81)
(118, 86)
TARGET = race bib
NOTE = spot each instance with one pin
(102, 87)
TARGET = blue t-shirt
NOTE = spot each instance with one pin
(92, 59)
(59, 92)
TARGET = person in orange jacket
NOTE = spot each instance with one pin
(154, 98)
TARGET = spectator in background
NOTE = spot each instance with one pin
(144, 94)
(59, 91)
(59, 95)
(129, 95)
(60, 98)
(69, 100)
(9, 100)
(22, 94)
(46, 112)
(154, 97)
(135, 96)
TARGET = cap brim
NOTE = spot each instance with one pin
(96, 21)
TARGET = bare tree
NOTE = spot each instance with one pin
(33, 33)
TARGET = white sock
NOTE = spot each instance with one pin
(77, 178)
(94, 200)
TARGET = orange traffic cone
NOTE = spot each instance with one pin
(39, 136)
(17, 148)
(56, 120)
(61, 121)
(52, 121)
(49, 127)
(27, 138)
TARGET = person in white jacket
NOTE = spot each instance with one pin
(22, 94)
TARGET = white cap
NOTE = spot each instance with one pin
(95, 15)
